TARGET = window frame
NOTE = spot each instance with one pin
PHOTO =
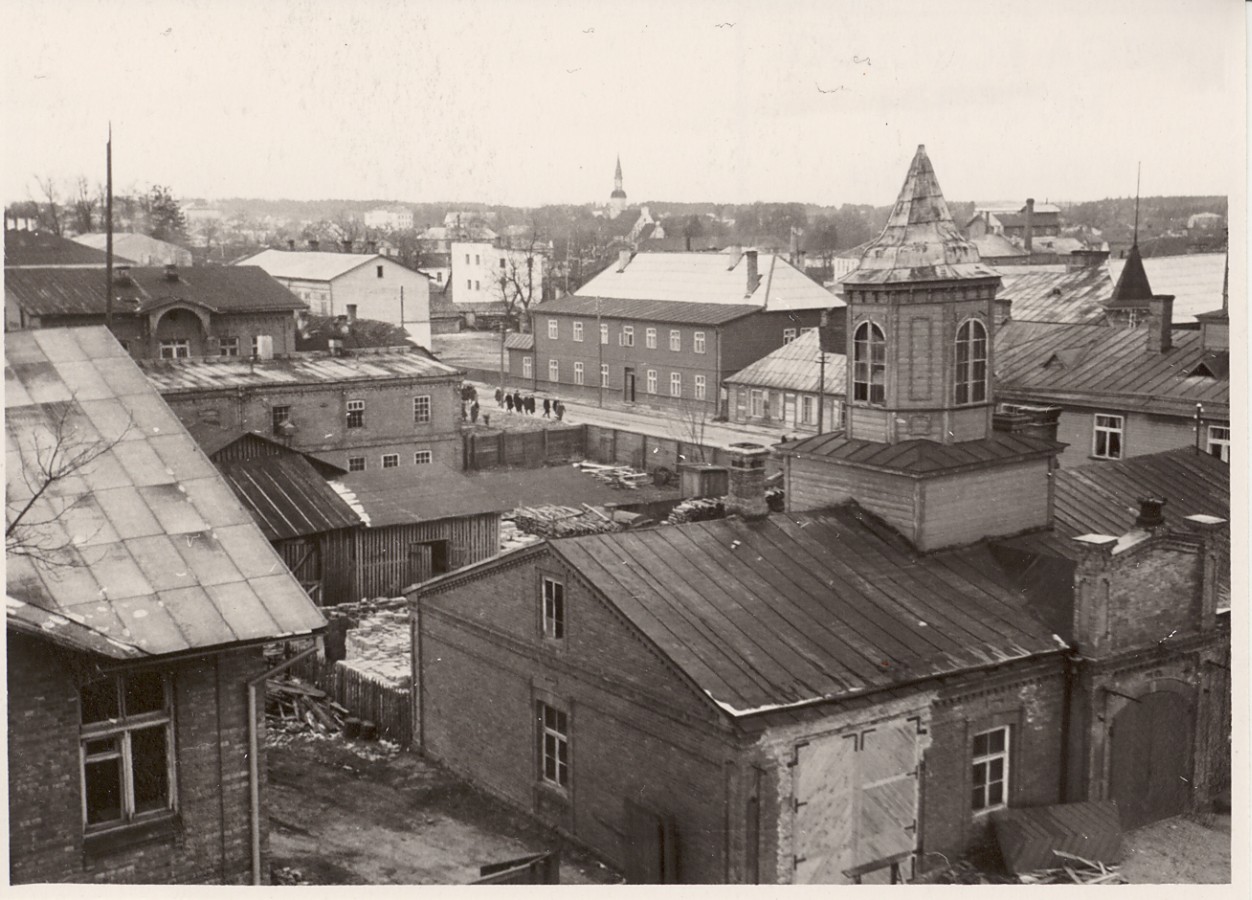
(179, 348)
(554, 735)
(528, 367)
(422, 409)
(675, 340)
(604, 334)
(1102, 432)
(280, 415)
(676, 384)
(789, 335)
(700, 388)
(228, 347)
(987, 760)
(650, 382)
(808, 409)
(423, 457)
(758, 404)
(356, 414)
(553, 621)
(578, 373)
(968, 388)
(627, 337)
(393, 457)
(554, 330)
(869, 358)
(604, 374)
(1220, 442)
(697, 342)
(649, 339)
(356, 463)
(577, 330)
(554, 370)
(379, 270)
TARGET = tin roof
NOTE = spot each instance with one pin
(708, 279)
(1108, 365)
(801, 608)
(76, 292)
(920, 241)
(308, 265)
(175, 376)
(1132, 282)
(921, 457)
(995, 246)
(141, 543)
(287, 496)
(515, 340)
(1194, 280)
(1062, 297)
(646, 310)
(42, 248)
(796, 367)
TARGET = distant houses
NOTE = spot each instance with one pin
(138, 249)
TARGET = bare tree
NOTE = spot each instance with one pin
(85, 202)
(51, 452)
(520, 282)
(690, 427)
(50, 212)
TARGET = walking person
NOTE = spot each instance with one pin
(474, 412)
(560, 410)
(499, 397)
(547, 408)
(517, 401)
(508, 400)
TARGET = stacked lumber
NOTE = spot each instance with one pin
(1074, 869)
(563, 521)
(293, 703)
(700, 509)
(615, 476)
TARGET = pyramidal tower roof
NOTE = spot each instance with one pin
(1132, 285)
(921, 242)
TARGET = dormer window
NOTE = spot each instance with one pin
(869, 364)
(971, 363)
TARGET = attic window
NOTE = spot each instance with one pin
(379, 270)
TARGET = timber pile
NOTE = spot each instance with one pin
(1074, 869)
(292, 703)
(563, 521)
(702, 509)
(615, 476)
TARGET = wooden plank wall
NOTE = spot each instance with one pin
(383, 561)
(363, 695)
(525, 449)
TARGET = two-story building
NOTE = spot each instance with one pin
(379, 287)
(669, 328)
(162, 313)
(391, 409)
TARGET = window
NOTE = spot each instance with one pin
(528, 367)
(604, 334)
(971, 363)
(469, 284)
(467, 259)
(127, 749)
(627, 337)
(280, 415)
(1219, 442)
(578, 373)
(379, 270)
(578, 331)
(502, 262)
(477, 260)
(649, 339)
(391, 460)
(356, 463)
(228, 347)
(700, 387)
(421, 409)
(423, 458)
(176, 349)
(256, 343)
(991, 770)
(553, 609)
(553, 745)
(808, 410)
(869, 364)
(651, 381)
(789, 335)
(604, 374)
(554, 370)
(675, 340)
(675, 384)
(553, 330)
(356, 413)
(757, 404)
(697, 342)
(476, 285)
(1107, 441)
(439, 277)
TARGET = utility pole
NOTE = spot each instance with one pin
(821, 388)
(1199, 420)
(108, 229)
(504, 327)
(600, 346)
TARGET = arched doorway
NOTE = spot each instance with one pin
(1150, 762)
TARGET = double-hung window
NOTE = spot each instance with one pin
(1219, 442)
(808, 410)
(528, 366)
(700, 387)
(627, 337)
(554, 329)
(697, 342)
(756, 404)
(990, 772)
(554, 758)
(675, 384)
(675, 340)
(1108, 437)
(578, 331)
(651, 381)
(421, 409)
(356, 413)
(604, 334)
(578, 373)
(604, 374)
(554, 370)
(553, 609)
(649, 338)
(127, 749)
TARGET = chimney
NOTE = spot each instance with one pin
(171, 272)
(291, 244)
(1030, 223)
(121, 274)
(1085, 259)
(1209, 529)
(754, 277)
(623, 260)
(351, 314)
(735, 251)
(1160, 323)
(1002, 310)
(1151, 513)
(302, 321)
(371, 246)
(313, 245)
(747, 481)
(347, 245)
(794, 247)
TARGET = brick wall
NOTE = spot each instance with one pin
(207, 842)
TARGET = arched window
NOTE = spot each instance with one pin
(869, 370)
(971, 363)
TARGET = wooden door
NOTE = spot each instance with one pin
(628, 386)
(825, 809)
(1150, 758)
(652, 846)
(789, 410)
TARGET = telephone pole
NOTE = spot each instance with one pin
(108, 229)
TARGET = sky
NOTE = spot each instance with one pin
(527, 102)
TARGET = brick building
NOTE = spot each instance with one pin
(852, 690)
(392, 409)
(668, 328)
(162, 313)
(139, 594)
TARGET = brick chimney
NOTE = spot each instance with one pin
(1209, 528)
(171, 272)
(1160, 323)
(291, 243)
(1151, 513)
(1085, 259)
(313, 245)
(747, 481)
(623, 260)
(1091, 624)
(1002, 310)
(347, 245)
(1029, 236)
(121, 274)
(754, 277)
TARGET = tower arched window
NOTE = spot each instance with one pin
(869, 364)
(971, 363)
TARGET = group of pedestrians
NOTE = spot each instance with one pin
(528, 405)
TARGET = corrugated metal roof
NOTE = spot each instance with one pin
(287, 496)
(308, 265)
(920, 457)
(231, 289)
(41, 248)
(173, 376)
(708, 279)
(1194, 281)
(144, 544)
(646, 310)
(920, 241)
(1105, 364)
(517, 341)
(801, 608)
(797, 367)
(1063, 297)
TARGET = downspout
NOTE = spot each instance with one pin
(254, 769)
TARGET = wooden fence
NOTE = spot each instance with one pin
(524, 449)
(365, 696)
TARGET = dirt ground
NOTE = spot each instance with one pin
(1181, 850)
(344, 812)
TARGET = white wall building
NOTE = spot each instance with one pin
(478, 266)
(390, 218)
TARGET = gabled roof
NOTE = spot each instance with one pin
(139, 249)
(800, 608)
(287, 496)
(920, 241)
(143, 544)
(1106, 365)
(922, 457)
(42, 248)
(996, 246)
(797, 367)
(1062, 297)
(310, 265)
(77, 292)
(1132, 288)
(709, 278)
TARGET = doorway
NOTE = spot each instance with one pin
(628, 385)
(1151, 758)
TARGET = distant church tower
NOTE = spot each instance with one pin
(617, 199)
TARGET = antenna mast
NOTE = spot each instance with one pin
(1138, 173)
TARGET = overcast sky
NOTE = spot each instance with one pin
(529, 101)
